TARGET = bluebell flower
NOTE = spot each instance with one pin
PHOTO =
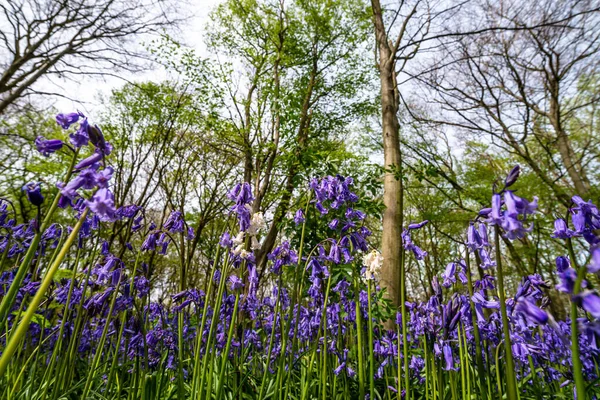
(225, 240)
(299, 217)
(408, 244)
(512, 176)
(80, 137)
(142, 286)
(567, 281)
(590, 302)
(34, 193)
(474, 241)
(562, 263)
(594, 265)
(66, 120)
(561, 231)
(175, 223)
(89, 161)
(417, 225)
(102, 204)
(448, 358)
(235, 283)
(47, 147)
(449, 275)
(531, 312)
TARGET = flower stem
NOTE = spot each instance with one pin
(511, 388)
(575, 354)
(15, 339)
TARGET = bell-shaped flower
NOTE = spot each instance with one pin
(561, 230)
(47, 147)
(102, 204)
(531, 312)
(33, 191)
(66, 120)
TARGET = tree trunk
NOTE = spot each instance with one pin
(391, 242)
(573, 166)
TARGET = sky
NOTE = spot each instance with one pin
(86, 94)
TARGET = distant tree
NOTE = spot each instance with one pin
(73, 38)
(519, 88)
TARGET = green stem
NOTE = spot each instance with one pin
(21, 331)
(227, 347)
(511, 388)
(476, 336)
(404, 324)
(100, 347)
(359, 347)
(575, 354)
(371, 353)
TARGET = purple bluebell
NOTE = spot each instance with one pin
(417, 225)
(47, 147)
(448, 275)
(80, 137)
(561, 231)
(594, 265)
(512, 176)
(531, 312)
(448, 358)
(175, 223)
(102, 204)
(66, 120)
(142, 286)
(590, 302)
(34, 193)
(89, 161)
(225, 240)
(281, 256)
(408, 244)
(474, 241)
(562, 263)
(299, 217)
(235, 283)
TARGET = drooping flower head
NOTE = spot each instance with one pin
(34, 193)
(242, 195)
(102, 204)
(408, 243)
(47, 147)
(174, 222)
(373, 262)
(299, 217)
(281, 256)
(66, 120)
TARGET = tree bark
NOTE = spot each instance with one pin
(391, 242)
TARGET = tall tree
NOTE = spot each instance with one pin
(72, 39)
(518, 87)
